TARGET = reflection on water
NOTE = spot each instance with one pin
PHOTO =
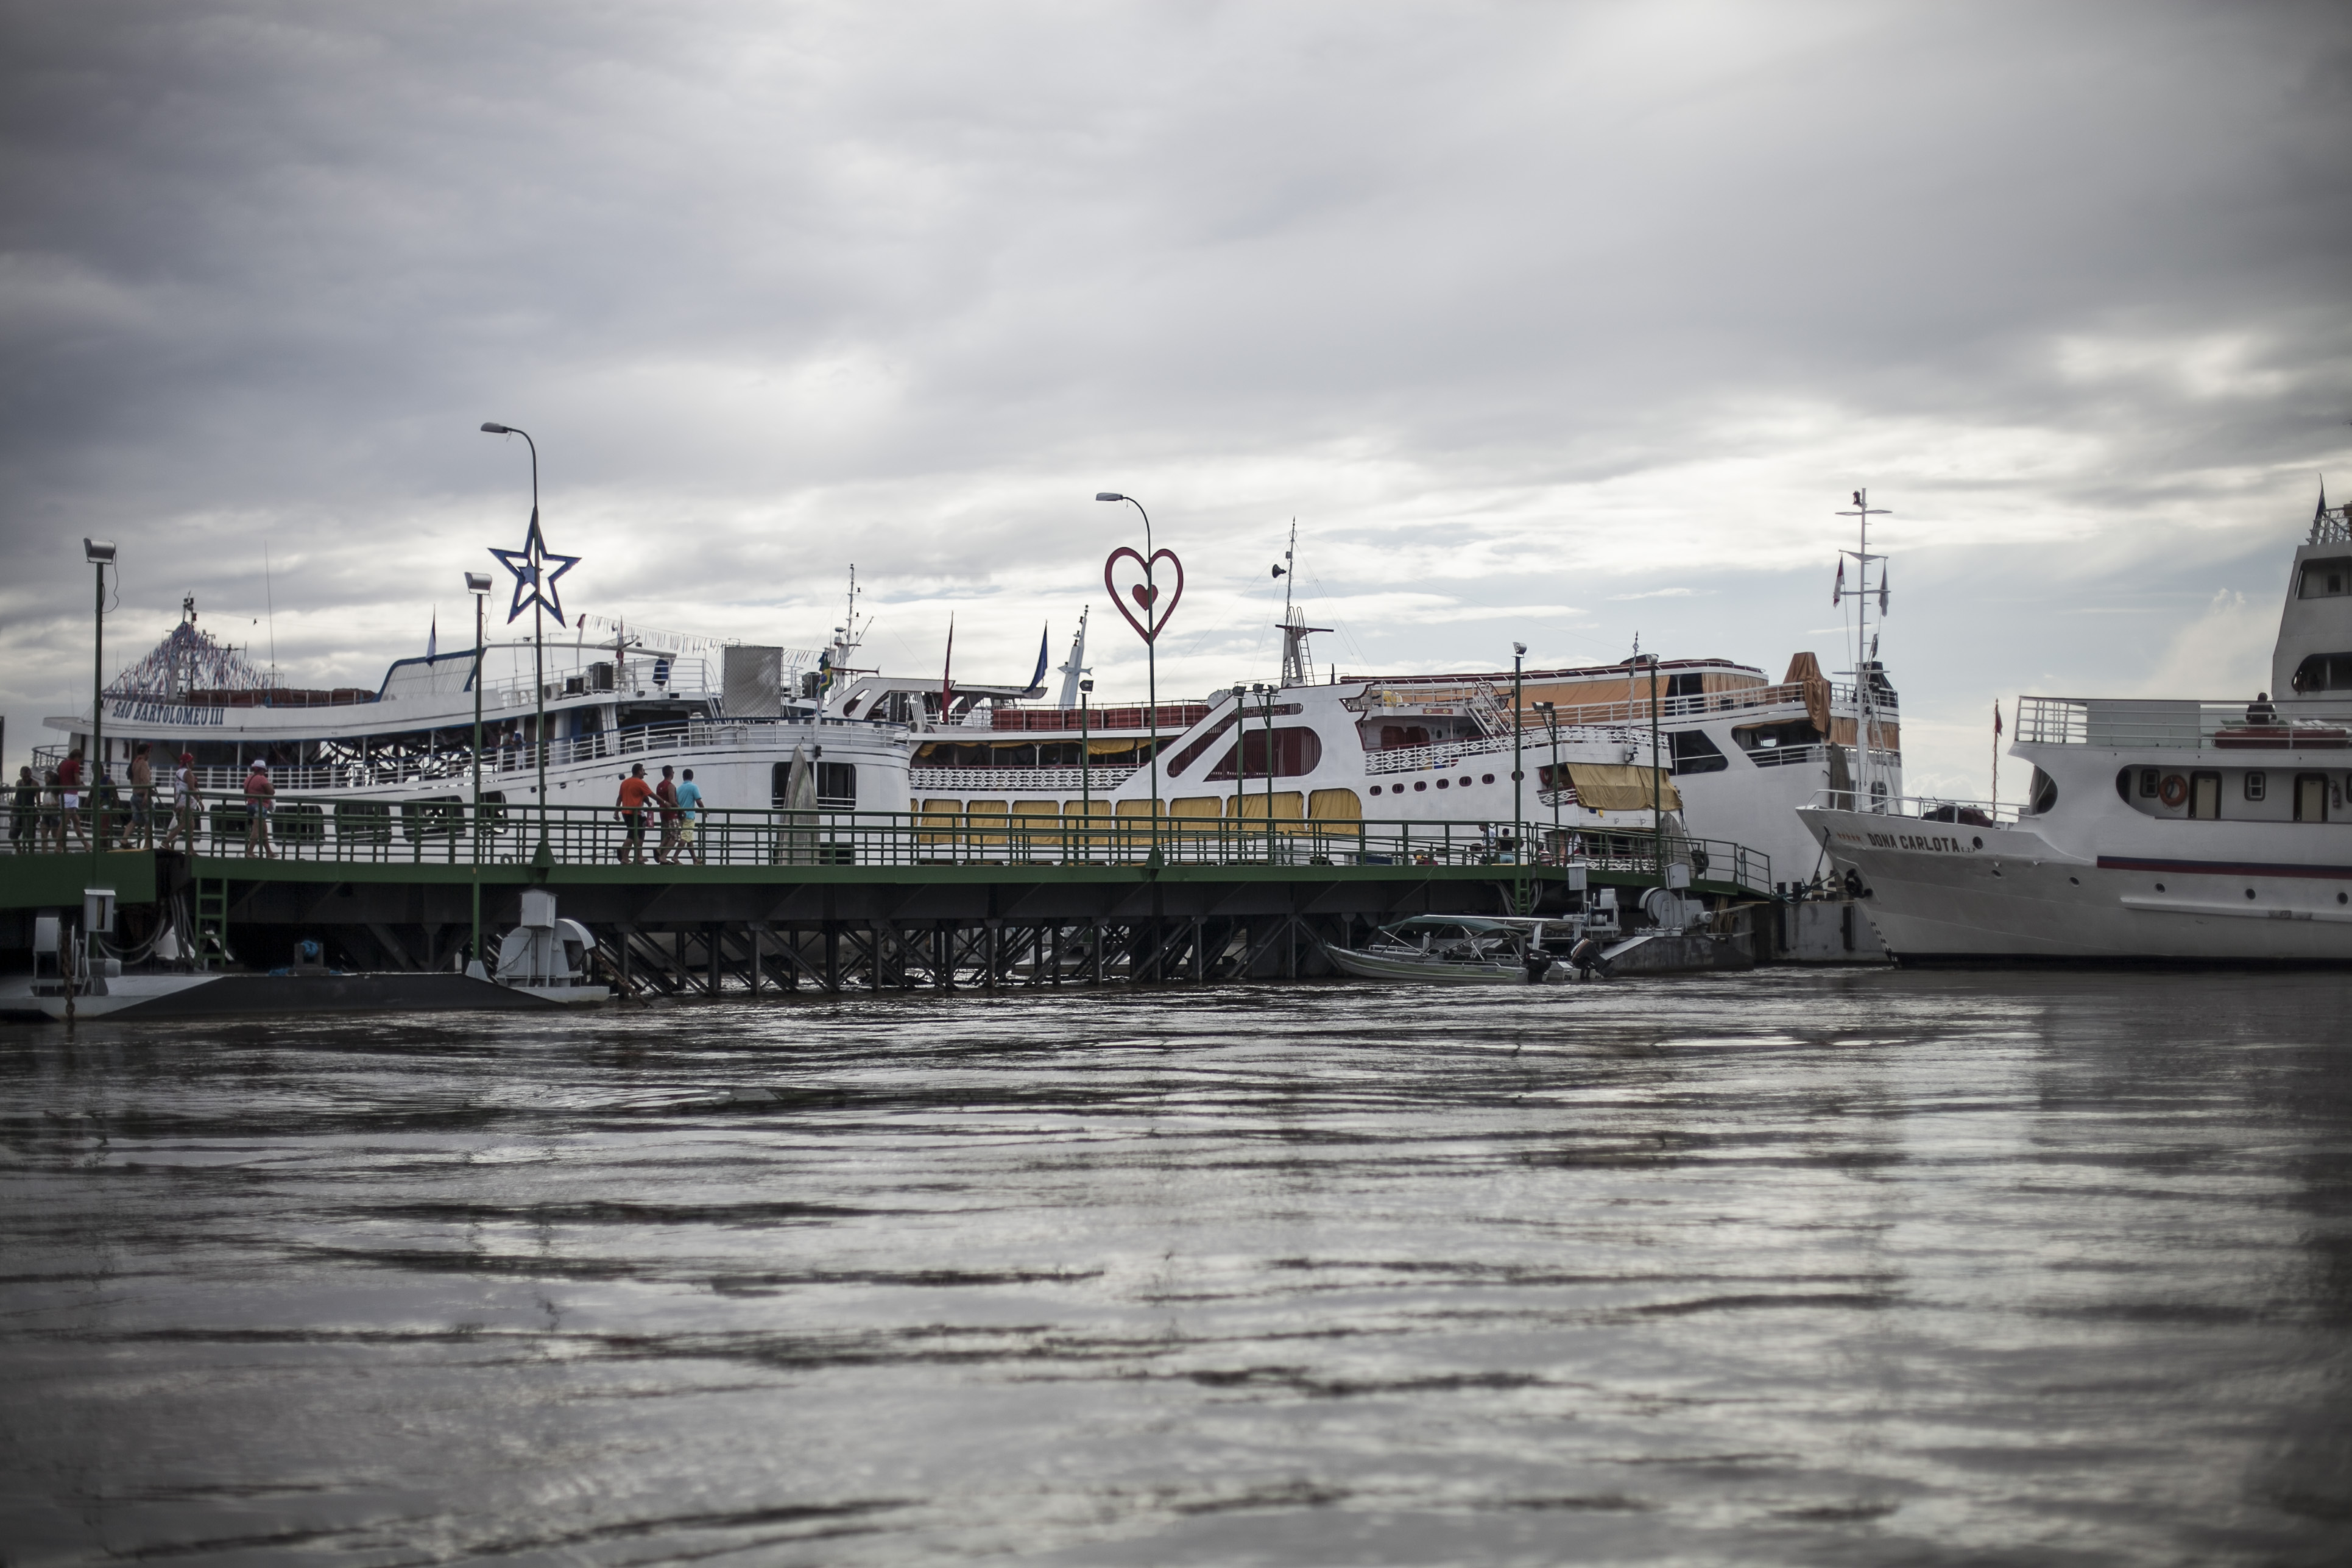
(1779, 1267)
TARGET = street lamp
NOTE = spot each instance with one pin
(1518, 763)
(1551, 722)
(478, 584)
(1657, 767)
(538, 649)
(1151, 657)
(1086, 773)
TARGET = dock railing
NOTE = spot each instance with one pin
(449, 832)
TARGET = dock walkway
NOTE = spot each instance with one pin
(786, 899)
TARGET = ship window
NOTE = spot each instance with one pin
(2149, 782)
(2323, 672)
(1695, 753)
(2044, 793)
(837, 785)
(1191, 753)
(1298, 752)
(2327, 579)
(2258, 784)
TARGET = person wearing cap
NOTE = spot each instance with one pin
(187, 803)
(259, 792)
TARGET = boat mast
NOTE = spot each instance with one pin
(1073, 668)
(1865, 725)
(1294, 629)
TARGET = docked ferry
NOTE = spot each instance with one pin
(736, 715)
(1738, 752)
(2163, 829)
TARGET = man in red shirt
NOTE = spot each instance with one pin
(665, 792)
(635, 795)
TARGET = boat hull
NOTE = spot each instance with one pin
(1944, 894)
(1372, 966)
(162, 997)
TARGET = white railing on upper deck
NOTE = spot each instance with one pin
(502, 762)
(1925, 808)
(997, 781)
(1637, 710)
(2295, 724)
(1446, 753)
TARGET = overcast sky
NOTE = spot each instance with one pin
(1553, 323)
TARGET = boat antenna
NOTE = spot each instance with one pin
(269, 608)
(1866, 648)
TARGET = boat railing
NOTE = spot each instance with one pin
(965, 780)
(2126, 723)
(449, 831)
(1447, 753)
(502, 761)
(1637, 711)
(1924, 808)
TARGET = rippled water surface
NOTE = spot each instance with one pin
(1782, 1268)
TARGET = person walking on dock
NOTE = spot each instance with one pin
(70, 800)
(689, 815)
(635, 794)
(187, 803)
(139, 832)
(666, 792)
(258, 794)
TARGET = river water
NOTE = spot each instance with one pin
(1787, 1268)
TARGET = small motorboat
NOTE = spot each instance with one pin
(1456, 950)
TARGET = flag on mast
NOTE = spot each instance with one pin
(1996, 721)
(1837, 594)
(1882, 587)
(433, 637)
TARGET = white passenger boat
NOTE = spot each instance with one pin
(1737, 751)
(2153, 829)
(732, 713)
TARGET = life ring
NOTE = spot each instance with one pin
(2174, 790)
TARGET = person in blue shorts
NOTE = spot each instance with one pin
(690, 817)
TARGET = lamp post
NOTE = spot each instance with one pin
(1241, 769)
(100, 554)
(1085, 773)
(1151, 657)
(1518, 757)
(538, 630)
(1658, 769)
(1266, 710)
(478, 584)
(1551, 722)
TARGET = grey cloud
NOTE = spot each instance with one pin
(1603, 300)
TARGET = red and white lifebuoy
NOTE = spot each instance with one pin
(2174, 790)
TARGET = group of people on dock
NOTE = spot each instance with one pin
(61, 810)
(678, 803)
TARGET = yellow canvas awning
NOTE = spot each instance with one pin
(1617, 786)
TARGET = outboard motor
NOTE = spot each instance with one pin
(1539, 964)
(1587, 957)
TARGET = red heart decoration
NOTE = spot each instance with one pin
(1152, 624)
